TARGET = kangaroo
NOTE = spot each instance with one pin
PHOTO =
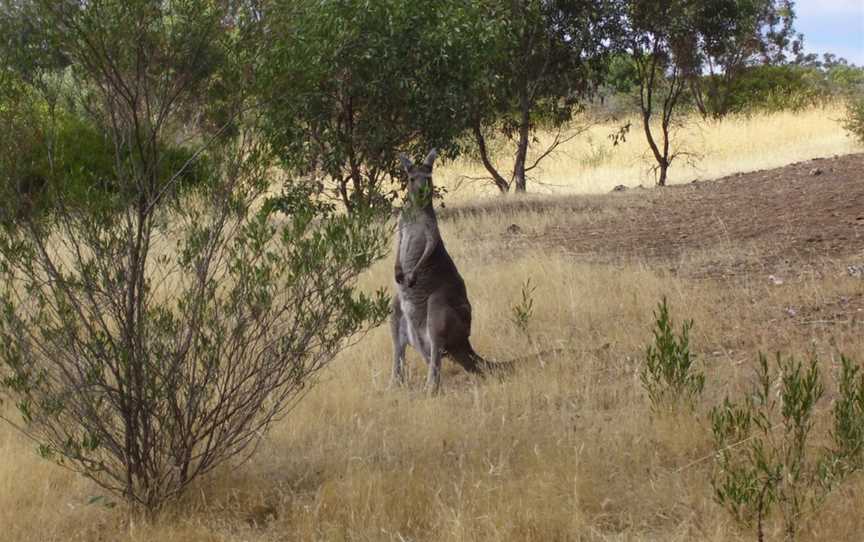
(430, 311)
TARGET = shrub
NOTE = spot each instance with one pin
(854, 120)
(758, 467)
(143, 387)
(146, 345)
(763, 452)
(848, 418)
(669, 374)
(69, 161)
(60, 154)
(776, 88)
(523, 312)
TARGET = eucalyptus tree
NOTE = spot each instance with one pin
(663, 45)
(735, 35)
(540, 61)
(672, 42)
(348, 85)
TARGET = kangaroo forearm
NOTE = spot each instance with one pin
(427, 251)
(398, 274)
(398, 266)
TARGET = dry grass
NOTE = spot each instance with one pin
(566, 449)
(591, 164)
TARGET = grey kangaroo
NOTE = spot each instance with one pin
(431, 309)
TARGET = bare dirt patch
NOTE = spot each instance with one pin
(788, 218)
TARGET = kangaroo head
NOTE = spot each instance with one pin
(420, 186)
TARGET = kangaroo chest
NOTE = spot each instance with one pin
(413, 241)
(413, 234)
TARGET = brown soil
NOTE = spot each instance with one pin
(782, 219)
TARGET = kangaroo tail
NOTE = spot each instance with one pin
(473, 362)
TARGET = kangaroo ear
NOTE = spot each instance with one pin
(406, 163)
(430, 158)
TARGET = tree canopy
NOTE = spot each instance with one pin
(349, 85)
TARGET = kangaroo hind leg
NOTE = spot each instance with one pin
(433, 378)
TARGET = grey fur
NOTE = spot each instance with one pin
(431, 311)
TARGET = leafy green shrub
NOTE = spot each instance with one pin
(776, 88)
(763, 452)
(85, 162)
(142, 386)
(848, 417)
(143, 352)
(854, 120)
(62, 156)
(843, 78)
(669, 375)
(18, 114)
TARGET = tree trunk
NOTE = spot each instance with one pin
(519, 178)
(664, 168)
(698, 97)
(522, 149)
(342, 186)
(501, 183)
(662, 163)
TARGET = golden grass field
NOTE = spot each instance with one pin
(566, 449)
(589, 164)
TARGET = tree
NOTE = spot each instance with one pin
(351, 84)
(537, 62)
(662, 43)
(671, 42)
(735, 35)
(146, 339)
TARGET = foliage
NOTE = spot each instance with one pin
(60, 156)
(854, 120)
(662, 42)
(669, 374)
(755, 88)
(148, 343)
(341, 104)
(623, 74)
(848, 416)
(790, 87)
(763, 451)
(843, 78)
(736, 35)
(534, 66)
(351, 84)
(63, 159)
(673, 42)
(17, 114)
